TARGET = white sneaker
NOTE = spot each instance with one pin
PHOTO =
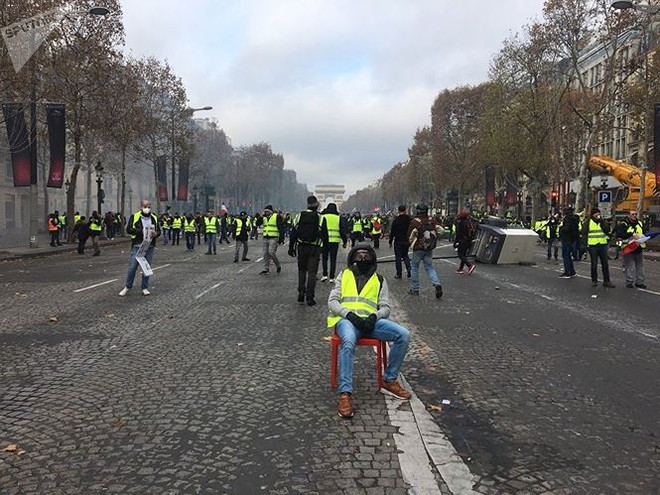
(324, 278)
(124, 291)
(332, 280)
(146, 292)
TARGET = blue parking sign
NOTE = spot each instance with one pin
(604, 196)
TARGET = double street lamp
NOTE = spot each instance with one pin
(629, 4)
(99, 192)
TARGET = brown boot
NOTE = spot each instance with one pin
(395, 390)
(345, 405)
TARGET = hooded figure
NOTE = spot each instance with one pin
(359, 306)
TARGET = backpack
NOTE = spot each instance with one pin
(470, 229)
(308, 230)
(427, 238)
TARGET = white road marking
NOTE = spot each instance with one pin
(208, 290)
(161, 266)
(650, 291)
(260, 259)
(419, 439)
(96, 285)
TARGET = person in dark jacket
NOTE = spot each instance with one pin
(463, 241)
(596, 232)
(81, 230)
(399, 238)
(141, 223)
(569, 235)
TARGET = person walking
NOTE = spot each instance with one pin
(140, 224)
(53, 230)
(190, 231)
(305, 242)
(423, 234)
(336, 230)
(376, 224)
(465, 234)
(211, 228)
(357, 231)
(95, 229)
(596, 231)
(359, 306)
(273, 234)
(242, 223)
(569, 235)
(399, 239)
(224, 227)
(633, 262)
(552, 235)
(177, 224)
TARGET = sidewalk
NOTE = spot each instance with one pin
(45, 249)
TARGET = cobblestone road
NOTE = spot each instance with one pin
(218, 382)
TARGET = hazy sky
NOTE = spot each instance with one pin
(338, 87)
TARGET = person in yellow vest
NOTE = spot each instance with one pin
(273, 234)
(359, 306)
(139, 224)
(95, 229)
(211, 229)
(177, 224)
(376, 229)
(357, 231)
(63, 227)
(190, 230)
(336, 235)
(633, 262)
(596, 231)
(243, 226)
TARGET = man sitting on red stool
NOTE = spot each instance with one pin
(359, 306)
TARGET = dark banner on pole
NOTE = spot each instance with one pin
(656, 146)
(490, 186)
(184, 170)
(161, 173)
(19, 144)
(511, 197)
(55, 114)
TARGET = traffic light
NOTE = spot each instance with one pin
(553, 197)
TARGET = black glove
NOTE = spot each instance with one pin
(370, 322)
(355, 320)
(281, 241)
(292, 252)
(344, 245)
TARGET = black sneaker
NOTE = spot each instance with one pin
(630, 286)
(311, 301)
(246, 259)
(594, 283)
(397, 276)
(438, 291)
(640, 286)
(564, 275)
(263, 272)
(301, 297)
(279, 269)
(413, 292)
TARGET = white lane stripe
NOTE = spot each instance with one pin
(649, 291)
(96, 285)
(161, 266)
(208, 290)
(260, 259)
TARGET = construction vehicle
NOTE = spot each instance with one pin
(630, 177)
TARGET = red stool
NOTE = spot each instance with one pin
(381, 356)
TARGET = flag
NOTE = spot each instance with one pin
(490, 185)
(633, 244)
(184, 171)
(55, 116)
(161, 174)
(19, 145)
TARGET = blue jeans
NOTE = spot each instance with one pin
(427, 258)
(384, 330)
(133, 265)
(190, 240)
(567, 250)
(210, 238)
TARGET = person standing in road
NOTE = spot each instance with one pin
(139, 224)
(273, 234)
(359, 306)
(376, 224)
(53, 230)
(211, 228)
(177, 224)
(357, 232)
(569, 235)
(465, 234)
(305, 241)
(95, 229)
(399, 239)
(633, 262)
(551, 234)
(423, 234)
(242, 223)
(190, 230)
(81, 230)
(224, 227)
(596, 231)
(333, 224)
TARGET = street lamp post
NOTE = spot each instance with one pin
(195, 189)
(99, 192)
(130, 199)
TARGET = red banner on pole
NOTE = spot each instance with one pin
(19, 144)
(490, 186)
(161, 174)
(184, 171)
(55, 115)
(511, 197)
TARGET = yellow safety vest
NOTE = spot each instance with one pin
(332, 223)
(357, 225)
(76, 218)
(95, 226)
(270, 226)
(596, 234)
(636, 230)
(190, 226)
(373, 228)
(362, 304)
(137, 215)
(211, 225)
(176, 223)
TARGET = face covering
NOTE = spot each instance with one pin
(364, 266)
(146, 211)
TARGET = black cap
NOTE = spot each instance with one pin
(421, 208)
(312, 201)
